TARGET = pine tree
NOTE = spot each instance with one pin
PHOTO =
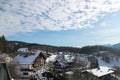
(15, 47)
(3, 45)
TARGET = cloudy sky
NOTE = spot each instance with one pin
(61, 22)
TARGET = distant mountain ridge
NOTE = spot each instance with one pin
(116, 46)
(50, 48)
(43, 47)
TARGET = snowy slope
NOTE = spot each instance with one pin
(113, 62)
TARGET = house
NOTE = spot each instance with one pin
(70, 59)
(4, 72)
(51, 58)
(101, 73)
(61, 63)
(57, 61)
(28, 63)
(22, 50)
(102, 53)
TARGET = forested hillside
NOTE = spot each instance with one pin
(49, 48)
(12, 46)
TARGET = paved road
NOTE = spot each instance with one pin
(4, 75)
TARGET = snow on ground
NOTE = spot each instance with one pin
(69, 72)
(113, 62)
(39, 75)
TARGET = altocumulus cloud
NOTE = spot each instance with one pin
(20, 16)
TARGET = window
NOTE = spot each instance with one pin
(25, 73)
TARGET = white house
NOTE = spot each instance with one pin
(101, 73)
(28, 63)
(22, 50)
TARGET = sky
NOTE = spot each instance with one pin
(73, 23)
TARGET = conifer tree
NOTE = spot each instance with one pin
(3, 44)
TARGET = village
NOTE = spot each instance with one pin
(33, 64)
(59, 39)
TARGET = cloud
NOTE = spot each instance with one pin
(104, 35)
(103, 24)
(20, 16)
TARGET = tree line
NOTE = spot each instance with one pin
(12, 46)
(4, 47)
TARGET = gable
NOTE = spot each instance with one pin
(26, 59)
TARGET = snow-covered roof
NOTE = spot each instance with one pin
(69, 58)
(101, 71)
(52, 58)
(22, 49)
(62, 63)
(101, 52)
(23, 59)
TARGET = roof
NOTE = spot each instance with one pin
(26, 59)
(22, 49)
(101, 71)
(103, 51)
(62, 62)
(69, 58)
(52, 58)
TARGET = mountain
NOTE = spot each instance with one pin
(50, 48)
(106, 56)
(116, 46)
(107, 45)
(43, 47)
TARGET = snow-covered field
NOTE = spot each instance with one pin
(111, 64)
(114, 60)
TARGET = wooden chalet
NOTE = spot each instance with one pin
(61, 63)
(28, 63)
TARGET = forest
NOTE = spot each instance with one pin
(12, 46)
